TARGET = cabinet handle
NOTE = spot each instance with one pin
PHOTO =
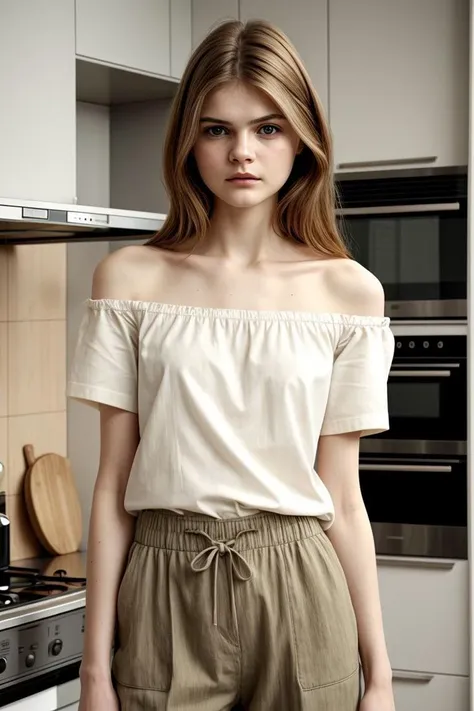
(394, 209)
(420, 373)
(415, 563)
(412, 676)
(389, 161)
(432, 468)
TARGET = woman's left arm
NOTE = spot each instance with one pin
(337, 464)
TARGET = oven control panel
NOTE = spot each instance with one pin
(430, 346)
(40, 646)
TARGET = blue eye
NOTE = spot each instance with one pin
(272, 131)
(215, 131)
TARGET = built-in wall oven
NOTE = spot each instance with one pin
(414, 476)
(411, 232)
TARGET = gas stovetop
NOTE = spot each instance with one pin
(22, 585)
(42, 617)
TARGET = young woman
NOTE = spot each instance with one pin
(237, 359)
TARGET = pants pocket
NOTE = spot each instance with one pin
(143, 658)
(324, 626)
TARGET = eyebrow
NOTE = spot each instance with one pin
(268, 117)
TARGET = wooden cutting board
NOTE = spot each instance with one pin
(52, 502)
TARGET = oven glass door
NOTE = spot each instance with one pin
(420, 257)
(416, 505)
(427, 400)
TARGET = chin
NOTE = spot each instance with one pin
(244, 200)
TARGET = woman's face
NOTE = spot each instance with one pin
(242, 131)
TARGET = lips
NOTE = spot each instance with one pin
(243, 178)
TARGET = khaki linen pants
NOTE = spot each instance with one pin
(250, 611)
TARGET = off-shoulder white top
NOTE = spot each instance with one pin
(232, 403)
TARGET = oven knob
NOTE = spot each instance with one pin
(55, 647)
(426, 344)
(411, 344)
(440, 344)
(3, 664)
(30, 659)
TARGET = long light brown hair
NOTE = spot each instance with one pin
(259, 54)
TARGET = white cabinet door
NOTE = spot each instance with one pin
(306, 24)
(44, 701)
(129, 33)
(180, 35)
(425, 606)
(207, 13)
(426, 692)
(398, 86)
(38, 100)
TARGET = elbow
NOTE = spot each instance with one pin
(348, 507)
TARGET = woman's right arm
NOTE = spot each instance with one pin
(111, 528)
(110, 536)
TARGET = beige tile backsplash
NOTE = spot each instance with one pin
(23, 542)
(3, 283)
(32, 371)
(37, 283)
(4, 451)
(36, 367)
(3, 370)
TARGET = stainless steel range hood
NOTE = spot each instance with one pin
(28, 222)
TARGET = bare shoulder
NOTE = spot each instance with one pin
(121, 274)
(355, 288)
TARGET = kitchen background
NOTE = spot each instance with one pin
(86, 88)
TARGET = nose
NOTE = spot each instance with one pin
(242, 149)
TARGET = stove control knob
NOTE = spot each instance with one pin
(30, 659)
(3, 664)
(55, 647)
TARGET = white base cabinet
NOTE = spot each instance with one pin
(427, 692)
(425, 606)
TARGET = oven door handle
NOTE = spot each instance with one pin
(433, 468)
(426, 365)
(420, 374)
(396, 209)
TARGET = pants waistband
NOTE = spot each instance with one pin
(165, 529)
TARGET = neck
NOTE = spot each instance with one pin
(242, 236)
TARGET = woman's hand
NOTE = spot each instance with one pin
(98, 696)
(378, 699)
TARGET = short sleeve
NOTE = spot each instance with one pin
(358, 398)
(104, 366)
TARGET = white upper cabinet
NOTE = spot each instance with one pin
(38, 104)
(398, 82)
(180, 35)
(306, 24)
(207, 13)
(128, 33)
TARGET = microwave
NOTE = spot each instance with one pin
(411, 232)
